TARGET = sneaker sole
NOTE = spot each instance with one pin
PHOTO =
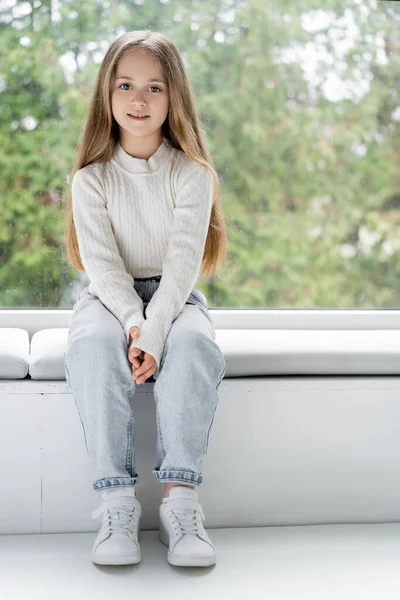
(117, 559)
(180, 560)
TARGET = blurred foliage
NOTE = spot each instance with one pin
(309, 163)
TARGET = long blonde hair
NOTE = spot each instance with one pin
(182, 128)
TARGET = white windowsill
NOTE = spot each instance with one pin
(232, 318)
(281, 343)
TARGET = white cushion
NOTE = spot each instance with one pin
(252, 352)
(48, 347)
(14, 353)
(247, 352)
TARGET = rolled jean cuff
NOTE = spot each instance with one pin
(178, 476)
(114, 482)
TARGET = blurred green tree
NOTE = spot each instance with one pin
(301, 104)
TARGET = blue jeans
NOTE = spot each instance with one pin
(99, 374)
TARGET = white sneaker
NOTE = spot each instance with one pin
(181, 529)
(117, 542)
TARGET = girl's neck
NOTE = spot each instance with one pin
(136, 164)
(141, 147)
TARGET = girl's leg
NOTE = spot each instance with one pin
(98, 372)
(186, 395)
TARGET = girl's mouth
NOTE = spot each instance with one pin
(139, 118)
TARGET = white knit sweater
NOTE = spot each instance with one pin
(139, 218)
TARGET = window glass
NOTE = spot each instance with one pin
(301, 104)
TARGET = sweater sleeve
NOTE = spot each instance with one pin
(182, 262)
(99, 251)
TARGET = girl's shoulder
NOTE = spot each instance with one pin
(188, 166)
(93, 171)
(89, 177)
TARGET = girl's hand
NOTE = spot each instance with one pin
(144, 370)
(134, 333)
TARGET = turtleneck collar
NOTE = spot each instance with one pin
(141, 165)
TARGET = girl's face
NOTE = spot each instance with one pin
(139, 87)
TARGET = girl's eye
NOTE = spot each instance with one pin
(151, 87)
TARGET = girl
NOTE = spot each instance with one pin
(143, 218)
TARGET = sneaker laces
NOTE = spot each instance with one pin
(121, 517)
(189, 520)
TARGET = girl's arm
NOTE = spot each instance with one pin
(182, 262)
(99, 252)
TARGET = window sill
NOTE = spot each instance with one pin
(258, 343)
(234, 318)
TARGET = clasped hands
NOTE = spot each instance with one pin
(140, 370)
